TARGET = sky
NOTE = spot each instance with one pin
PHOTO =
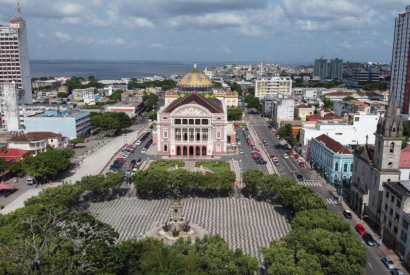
(208, 30)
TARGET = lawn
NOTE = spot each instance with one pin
(216, 166)
(164, 165)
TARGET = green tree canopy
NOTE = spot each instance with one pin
(348, 98)
(327, 103)
(150, 101)
(235, 113)
(236, 88)
(75, 141)
(111, 120)
(253, 102)
(61, 95)
(286, 132)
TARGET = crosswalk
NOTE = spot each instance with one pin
(310, 183)
(331, 201)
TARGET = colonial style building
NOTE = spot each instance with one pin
(196, 123)
(376, 164)
(331, 158)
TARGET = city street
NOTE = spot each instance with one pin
(290, 167)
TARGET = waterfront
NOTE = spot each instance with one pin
(115, 69)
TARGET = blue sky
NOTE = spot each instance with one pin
(208, 30)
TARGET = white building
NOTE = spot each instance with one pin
(282, 110)
(400, 60)
(360, 130)
(37, 141)
(277, 85)
(14, 60)
(9, 108)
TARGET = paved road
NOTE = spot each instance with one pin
(291, 168)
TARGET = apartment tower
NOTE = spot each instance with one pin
(400, 71)
(14, 60)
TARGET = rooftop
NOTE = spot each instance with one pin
(401, 188)
(34, 136)
(214, 106)
(405, 158)
(333, 145)
(12, 154)
(302, 106)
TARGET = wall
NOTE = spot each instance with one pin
(66, 126)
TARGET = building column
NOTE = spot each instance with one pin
(201, 135)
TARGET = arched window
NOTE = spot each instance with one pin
(392, 147)
(218, 147)
(336, 166)
(351, 167)
(394, 129)
(165, 134)
(164, 117)
(218, 134)
(345, 167)
(165, 148)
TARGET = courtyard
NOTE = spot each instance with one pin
(243, 223)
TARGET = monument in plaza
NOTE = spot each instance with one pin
(176, 226)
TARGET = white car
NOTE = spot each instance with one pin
(275, 159)
(285, 156)
(135, 169)
(239, 143)
(241, 152)
(299, 160)
(143, 150)
(138, 142)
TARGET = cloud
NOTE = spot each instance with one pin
(225, 49)
(142, 22)
(208, 21)
(345, 45)
(41, 34)
(157, 46)
(105, 42)
(63, 36)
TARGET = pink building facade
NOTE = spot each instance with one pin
(193, 127)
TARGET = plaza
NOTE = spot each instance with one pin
(243, 223)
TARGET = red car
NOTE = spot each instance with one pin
(272, 156)
(131, 166)
(360, 229)
(122, 159)
(296, 156)
(301, 164)
(289, 152)
(250, 144)
(254, 149)
(254, 156)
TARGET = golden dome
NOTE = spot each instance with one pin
(195, 79)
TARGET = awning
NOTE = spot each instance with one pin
(7, 186)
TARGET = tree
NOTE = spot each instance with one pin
(61, 95)
(49, 163)
(327, 103)
(406, 128)
(404, 142)
(75, 141)
(235, 113)
(298, 136)
(115, 181)
(252, 178)
(253, 102)
(111, 120)
(91, 78)
(251, 91)
(116, 96)
(152, 115)
(150, 101)
(348, 98)
(95, 184)
(286, 132)
(236, 88)
(217, 84)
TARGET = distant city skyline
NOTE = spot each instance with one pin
(208, 30)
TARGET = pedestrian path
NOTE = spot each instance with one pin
(330, 201)
(310, 183)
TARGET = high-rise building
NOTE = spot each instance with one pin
(9, 108)
(14, 60)
(278, 85)
(336, 68)
(400, 74)
(320, 68)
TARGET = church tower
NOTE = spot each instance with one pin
(389, 135)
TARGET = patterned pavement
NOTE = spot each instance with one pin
(244, 223)
(310, 183)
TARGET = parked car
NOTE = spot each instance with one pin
(128, 173)
(296, 156)
(369, 239)
(397, 271)
(285, 156)
(241, 152)
(131, 165)
(347, 214)
(265, 143)
(254, 156)
(289, 152)
(138, 142)
(276, 163)
(388, 262)
(360, 229)
(275, 159)
(257, 150)
(133, 161)
(122, 159)
(135, 169)
(301, 164)
(272, 156)
(260, 161)
(300, 177)
(144, 150)
(139, 162)
(31, 180)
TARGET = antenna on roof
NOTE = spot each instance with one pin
(18, 11)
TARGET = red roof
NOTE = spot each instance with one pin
(302, 106)
(333, 145)
(12, 154)
(405, 158)
(34, 136)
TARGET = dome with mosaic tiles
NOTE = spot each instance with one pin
(195, 81)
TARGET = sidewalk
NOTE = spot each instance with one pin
(91, 165)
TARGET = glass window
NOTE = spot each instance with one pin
(336, 166)
(165, 134)
(191, 122)
(177, 121)
(351, 167)
(345, 167)
(205, 122)
(405, 224)
(387, 194)
(185, 121)
(392, 199)
(197, 121)
(392, 147)
(398, 203)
